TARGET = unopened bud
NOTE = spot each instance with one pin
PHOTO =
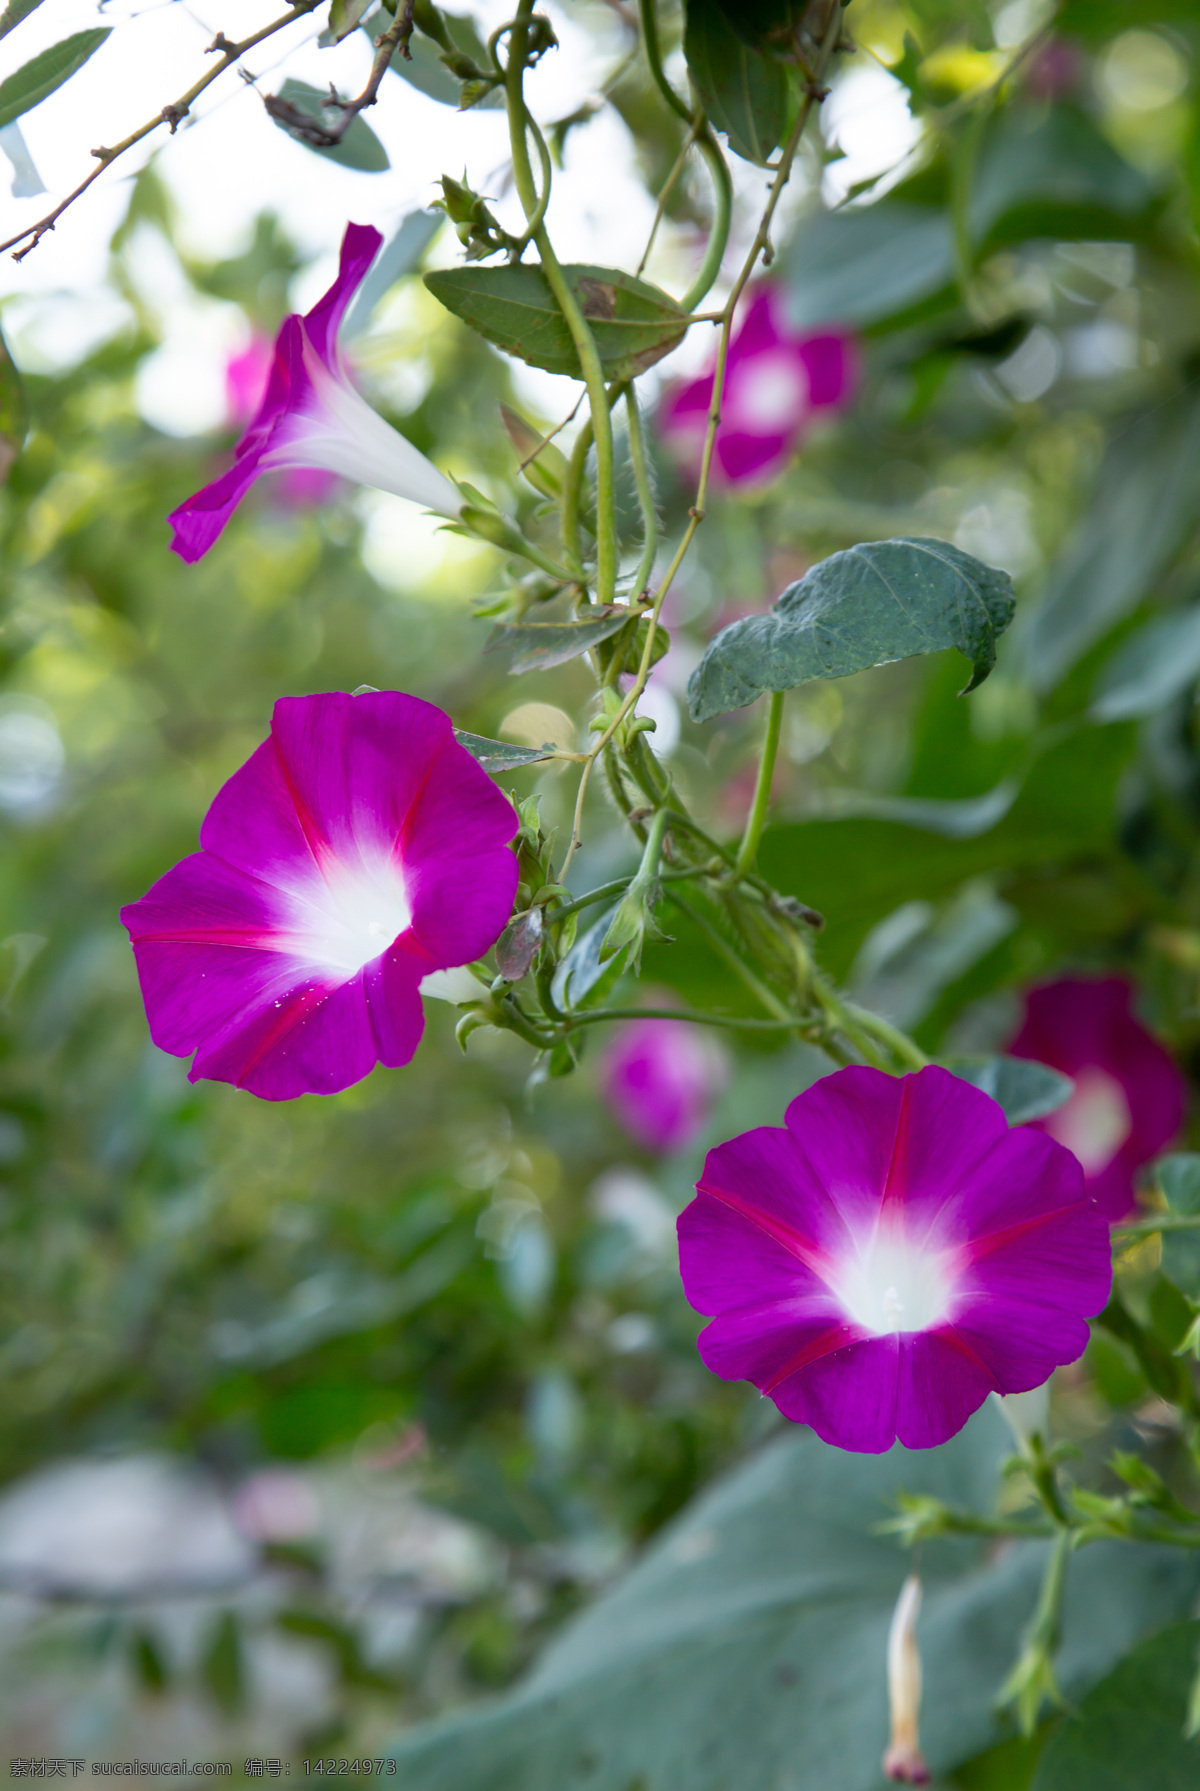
(544, 465)
(903, 1761)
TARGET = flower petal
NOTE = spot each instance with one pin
(849, 1397)
(940, 1383)
(360, 245)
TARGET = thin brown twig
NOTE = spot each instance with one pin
(171, 115)
(329, 136)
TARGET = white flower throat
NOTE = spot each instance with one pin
(893, 1284)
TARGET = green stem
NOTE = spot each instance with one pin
(756, 820)
(735, 1022)
(641, 478)
(764, 995)
(1146, 1228)
(568, 304)
(718, 236)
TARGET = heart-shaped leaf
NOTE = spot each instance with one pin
(872, 604)
(634, 324)
(747, 1648)
(501, 755)
(1129, 1732)
(39, 78)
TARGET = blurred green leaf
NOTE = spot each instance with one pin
(585, 978)
(634, 324)
(867, 264)
(14, 412)
(872, 604)
(1143, 510)
(747, 1646)
(1178, 1176)
(223, 1667)
(744, 93)
(1127, 1734)
(1149, 669)
(536, 646)
(359, 148)
(852, 870)
(40, 77)
(399, 257)
(1024, 1089)
(764, 24)
(1039, 175)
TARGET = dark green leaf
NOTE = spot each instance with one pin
(1127, 1735)
(399, 257)
(360, 148)
(426, 71)
(14, 12)
(223, 1666)
(744, 93)
(634, 323)
(865, 265)
(1053, 174)
(870, 605)
(46, 72)
(535, 646)
(1143, 510)
(747, 1647)
(501, 755)
(1025, 1090)
(764, 24)
(852, 870)
(1150, 669)
(1039, 175)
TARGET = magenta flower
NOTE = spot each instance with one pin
(312, 416)
(660, 1078)
(358, 849)
(892, 1257)
(777, 379)
(1128, 1101)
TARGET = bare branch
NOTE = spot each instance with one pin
(171, 115)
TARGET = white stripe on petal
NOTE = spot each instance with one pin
(339, 431)
(893, 1284)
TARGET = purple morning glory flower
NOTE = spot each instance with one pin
(892, 1257)
(659, 1078)
(777, 379)
(312, 416)
(1128, 1101)
(359, 848)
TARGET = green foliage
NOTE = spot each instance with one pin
(499, 755)
(536, 646)
(1024, 1089)
(634, 324)
(358, 146)
(868, 606)
(14, 12)
(744, 93)
(755, 1630)
(1128, 1733)
(39, 78)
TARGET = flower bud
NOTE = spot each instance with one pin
(544, 465)
(903, 1761)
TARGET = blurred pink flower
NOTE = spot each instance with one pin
(660, 1077)
(246, 376)
(777, 380)
(1129, 1096)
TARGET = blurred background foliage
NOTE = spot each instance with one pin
(398, 1379)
